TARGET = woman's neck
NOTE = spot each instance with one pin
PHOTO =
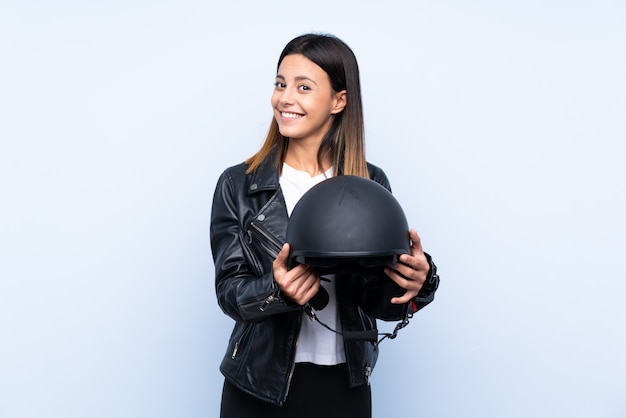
(304, 158)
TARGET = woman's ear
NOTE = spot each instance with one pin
(341, 100)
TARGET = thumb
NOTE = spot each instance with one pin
(282, 256)
(280, 263)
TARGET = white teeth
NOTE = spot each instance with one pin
(289, 115)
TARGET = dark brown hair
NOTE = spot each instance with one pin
(344, 144)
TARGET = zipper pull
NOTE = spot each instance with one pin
(308, 310)
(235, 350)
(368, 373)
(268, 301)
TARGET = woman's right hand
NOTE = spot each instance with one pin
(300, 283)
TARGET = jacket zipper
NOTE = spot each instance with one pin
(274, 246)
(239, 341)
(272, 249)
(293, 362)
(273, 297)
(235, 350)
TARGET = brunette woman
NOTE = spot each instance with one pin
(278, 363)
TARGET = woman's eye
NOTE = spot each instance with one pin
(303, 87)
(279, 85)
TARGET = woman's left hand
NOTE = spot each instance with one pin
(411, 271)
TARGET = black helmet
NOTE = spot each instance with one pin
(347, 223)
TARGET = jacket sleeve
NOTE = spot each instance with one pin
(427, 293)
(244, 291)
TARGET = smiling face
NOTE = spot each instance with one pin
(304, 102)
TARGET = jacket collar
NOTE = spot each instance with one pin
(266, 176)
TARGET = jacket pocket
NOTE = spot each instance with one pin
(241, 341)
(261, 240)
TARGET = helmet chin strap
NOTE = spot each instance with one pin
(370, 335)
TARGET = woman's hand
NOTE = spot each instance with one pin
(410, 273)
(300, 283)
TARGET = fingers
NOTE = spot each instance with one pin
(302, 286)
(416, 242)
(306, 289)
(416, 260)
(410, 273)
(412, 287)
(406, 298)
(300, 283)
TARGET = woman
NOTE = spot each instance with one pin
(278, 364)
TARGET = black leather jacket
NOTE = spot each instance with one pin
(248, 227)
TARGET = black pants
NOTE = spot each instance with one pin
(315, 392)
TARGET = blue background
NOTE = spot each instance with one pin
(500, 124)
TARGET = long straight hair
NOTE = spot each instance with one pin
(344, 143)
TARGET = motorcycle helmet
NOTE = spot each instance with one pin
(347, 224)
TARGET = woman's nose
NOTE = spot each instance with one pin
(286, 96)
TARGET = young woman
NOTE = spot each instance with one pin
(278, 362)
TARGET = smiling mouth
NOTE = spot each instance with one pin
(290, 115)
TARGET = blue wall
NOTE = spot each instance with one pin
(501, 127)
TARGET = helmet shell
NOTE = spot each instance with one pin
(347, 223)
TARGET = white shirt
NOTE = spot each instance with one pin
(316, 344)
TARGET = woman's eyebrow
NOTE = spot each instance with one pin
(304, 78)
(298, 78)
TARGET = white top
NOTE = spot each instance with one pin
(316, 344)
